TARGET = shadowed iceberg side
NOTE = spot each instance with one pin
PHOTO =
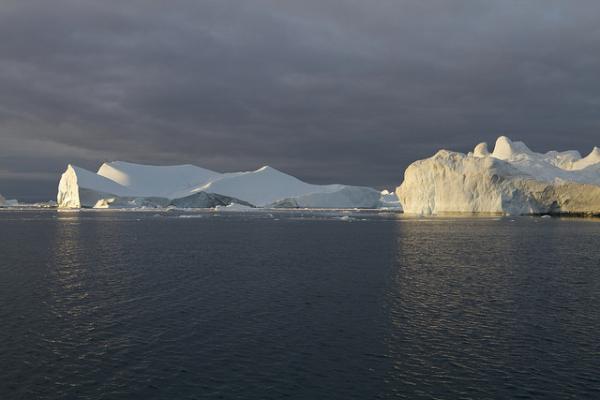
(346, 197)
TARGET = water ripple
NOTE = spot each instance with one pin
(302, 306)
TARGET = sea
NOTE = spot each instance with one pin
(297, 305)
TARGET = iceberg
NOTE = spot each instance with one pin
(344, 197)
(7, 203)
(207, 200)
(510, 180)
(390, 200)
(234, 207)
(126, 185)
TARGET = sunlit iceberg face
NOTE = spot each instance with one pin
(512, 179)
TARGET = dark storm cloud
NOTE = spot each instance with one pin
(348, 91)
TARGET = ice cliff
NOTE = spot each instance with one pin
(510, 180)
(124, 185)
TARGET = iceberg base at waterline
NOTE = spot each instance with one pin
(234, 207)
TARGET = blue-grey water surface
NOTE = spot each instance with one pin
(122, 305)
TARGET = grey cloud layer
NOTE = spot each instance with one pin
(348, 91)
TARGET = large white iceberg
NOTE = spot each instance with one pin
(510, 180)
(121, 184)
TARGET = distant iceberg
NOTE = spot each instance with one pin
(234, 207)
(7, 203)
(390, 200)
(511, 180)
(125, 185)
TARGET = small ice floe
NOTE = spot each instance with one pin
(234, 207)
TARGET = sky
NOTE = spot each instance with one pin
(345, 91)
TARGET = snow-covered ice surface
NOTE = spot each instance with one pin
(264, 186)
(512, 180)
(125, 185)
(157, 181)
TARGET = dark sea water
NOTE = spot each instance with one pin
(115, 305)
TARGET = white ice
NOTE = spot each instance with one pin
(512, 179)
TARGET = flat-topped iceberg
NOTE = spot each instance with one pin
(126, 185)
(510, 180)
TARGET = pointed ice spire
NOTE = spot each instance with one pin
(506, 149)
(591, 159)
(481, 150)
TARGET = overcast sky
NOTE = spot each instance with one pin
(327, 90)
